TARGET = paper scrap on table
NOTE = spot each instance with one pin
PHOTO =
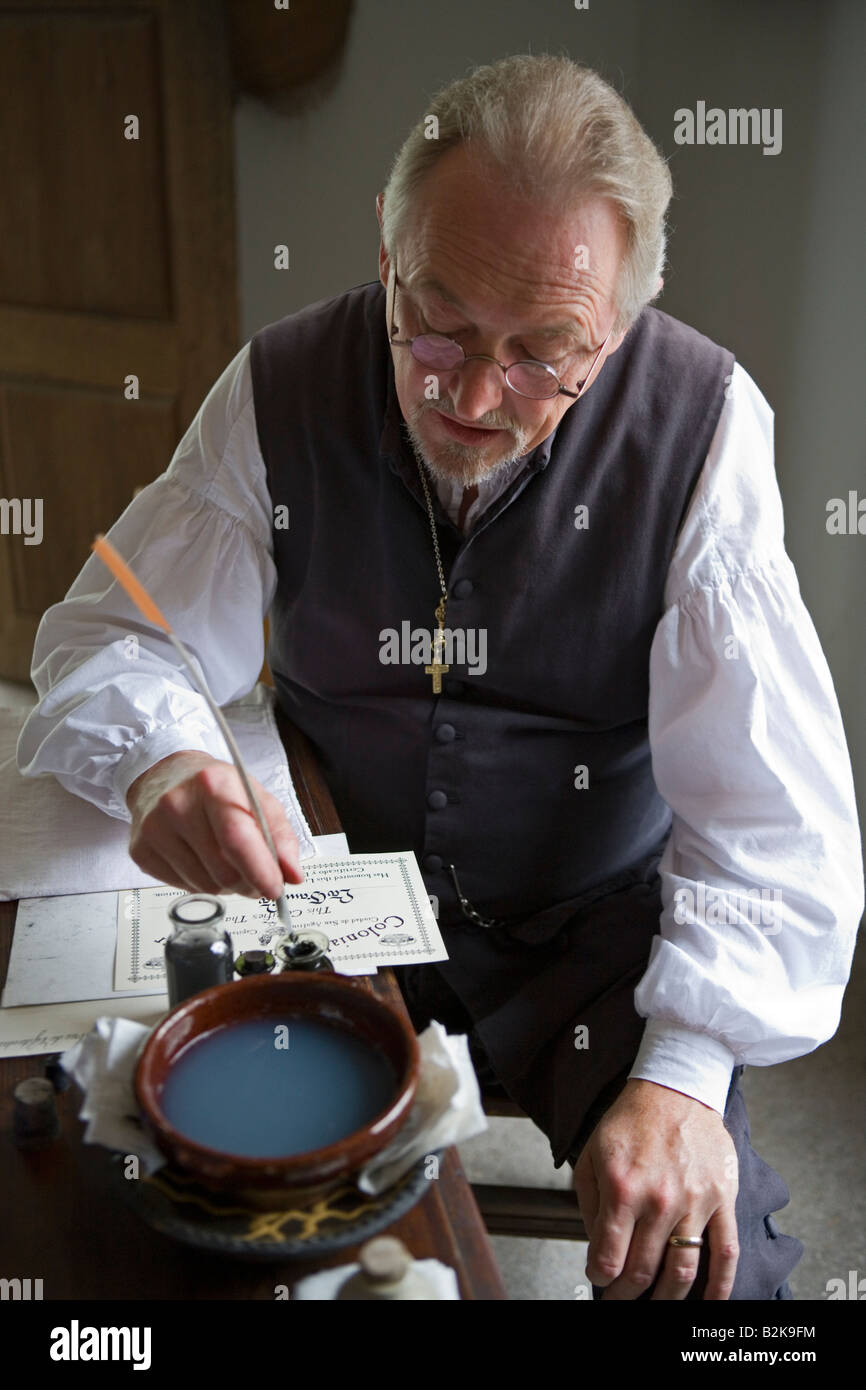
(35, 1029)
(374, 908)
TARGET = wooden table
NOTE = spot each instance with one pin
(61, 1223)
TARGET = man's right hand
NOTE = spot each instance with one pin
(192, 827)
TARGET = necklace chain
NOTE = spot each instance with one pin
(440, 611)
(436, 671)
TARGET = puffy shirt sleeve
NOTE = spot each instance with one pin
(114, 697)
(762, 877)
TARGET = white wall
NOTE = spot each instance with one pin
(766, 251)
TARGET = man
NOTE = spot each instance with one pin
(502, 445)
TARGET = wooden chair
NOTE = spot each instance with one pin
(545, 1212)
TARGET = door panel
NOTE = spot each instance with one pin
(118, 261)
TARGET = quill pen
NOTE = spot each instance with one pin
(143, 601)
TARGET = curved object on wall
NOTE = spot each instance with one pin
(275, 52)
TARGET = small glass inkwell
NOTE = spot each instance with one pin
(303, 950)
(198, 953)
(254, 963)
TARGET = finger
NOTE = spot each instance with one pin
(151, 863)
(185, 868)
(284, 838)
(611, 1237)
(241, 844)
(189, 855)
(724, 1253)
(645, 1257)
(215, 868)
(162, 869)
(179, 831)
(586, 1187)
(680, 1264)
(238, 835)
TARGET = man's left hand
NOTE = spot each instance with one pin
(658, 1164)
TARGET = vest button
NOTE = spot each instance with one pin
(463, 588)
(437, 801)
(445, 733)
(433, 863)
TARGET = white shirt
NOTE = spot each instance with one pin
(747, 742)
(451, 493)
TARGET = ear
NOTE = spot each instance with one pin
(384, 262)
(617, 343)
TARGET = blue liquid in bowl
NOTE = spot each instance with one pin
(237, 1090)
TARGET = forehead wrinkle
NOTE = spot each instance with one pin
(457, 230)
(570, 329)
(579, 283)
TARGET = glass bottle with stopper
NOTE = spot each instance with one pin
(387, 1272)
(198, 953)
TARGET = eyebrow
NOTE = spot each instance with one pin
(566, 329)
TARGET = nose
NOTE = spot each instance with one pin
(476, 388)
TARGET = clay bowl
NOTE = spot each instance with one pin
(297, 1178)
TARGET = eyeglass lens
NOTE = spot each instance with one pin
(528, 378)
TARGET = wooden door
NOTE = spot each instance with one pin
(117, 262)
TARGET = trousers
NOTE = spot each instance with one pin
(519, 1001)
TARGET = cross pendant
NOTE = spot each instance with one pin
(437, 670)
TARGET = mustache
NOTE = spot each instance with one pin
(485, 423)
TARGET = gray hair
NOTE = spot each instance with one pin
(552, 131)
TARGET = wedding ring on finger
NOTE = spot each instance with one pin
(686, 1242)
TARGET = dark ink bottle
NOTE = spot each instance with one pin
(198, 953)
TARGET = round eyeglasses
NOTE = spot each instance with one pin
(530, 378)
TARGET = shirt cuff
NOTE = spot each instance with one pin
(158, 745)
(693, 1063)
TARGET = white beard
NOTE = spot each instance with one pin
(461, 463)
